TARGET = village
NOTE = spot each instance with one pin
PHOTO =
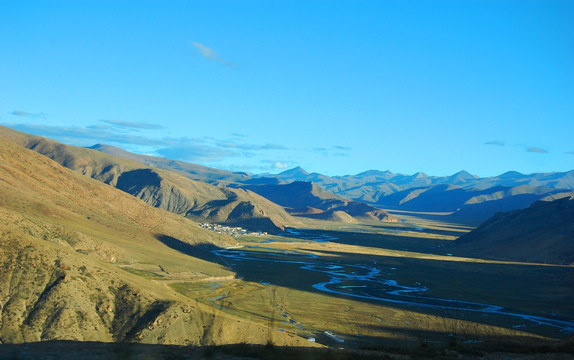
(229, 230)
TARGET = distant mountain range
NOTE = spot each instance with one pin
(259, 202)
(171, 185)
(368, 186)
(468, 197)
(371, 186)
(309, 199)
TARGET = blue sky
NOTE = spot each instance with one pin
(337, 87)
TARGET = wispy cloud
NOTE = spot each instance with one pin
(276, 165)
(192, 151)
(537, 150)
(88, 135)
(132, 125)
(29, 115)
(336, 150)
(246, 146)
(209, 54)
(200, 149)
(495, 143)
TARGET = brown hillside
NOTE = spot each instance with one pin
(338, 216)
(192, 171)
(80, 260)
(543, 233)
(301, 196)
(161, 188)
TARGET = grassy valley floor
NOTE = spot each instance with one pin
(367, 291)
(365, 286)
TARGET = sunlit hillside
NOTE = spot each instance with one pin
(84, 261)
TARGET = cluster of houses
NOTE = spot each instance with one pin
(230, 230)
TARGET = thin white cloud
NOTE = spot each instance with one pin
(495, 143)
(87, 136)
(246, 146)
(132, 125)
(209, 54)
(537, 150)
(201, 149)
(276, 165)
(336, 150)
(191, 151)
(29, 115)
(280, 165)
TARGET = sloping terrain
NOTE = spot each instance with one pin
(477, 205)
(163, 189)
(369, 186)
(250, 213)
(543, 233)
(192, 171)
(81, 260)
(379, 187)
(469, 198)
(472, 197)
(374, 183)
(305, 198)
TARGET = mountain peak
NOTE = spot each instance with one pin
(463, 174)
(296, 171)
(511, 175)
(419, 175)
(114, 151)
(386, 174)
(96, 146)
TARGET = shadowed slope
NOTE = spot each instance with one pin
(470, 204)
(543, 232)
(192, 171)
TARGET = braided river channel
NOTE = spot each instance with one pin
(374, 282)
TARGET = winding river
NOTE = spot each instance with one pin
(375, 283)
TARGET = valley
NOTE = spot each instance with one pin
(279, 180)
(96, 248)
(353, 288)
